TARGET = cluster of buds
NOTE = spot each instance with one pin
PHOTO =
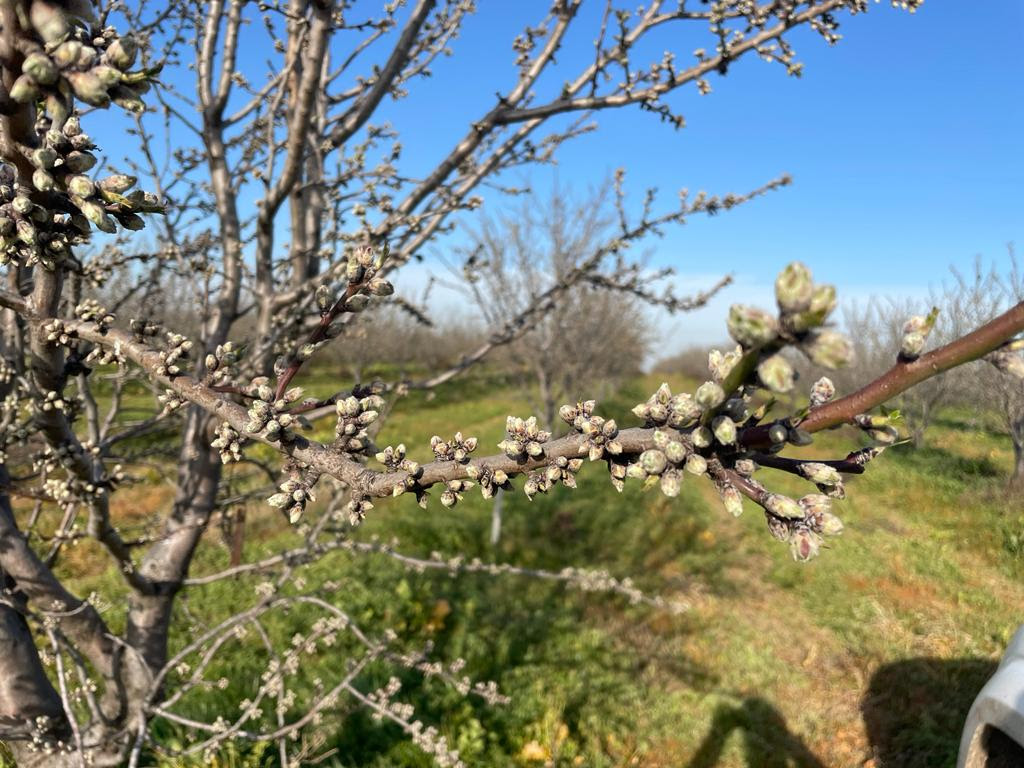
(803, 524)
(598, 434)
(269, 416)
(452, 493)
(355, 414)
(561, 470)
(70, 57)
(677, 411)
(52, 401)
(143, 330)
(170, 400)
(361, 268)
(803, 309)
(524, 439)
(178, 348)
(357, 510)
(58, 333)
(664, 464)
(229, 443)
(879, 428)
(396, 461)
(456, 449)
(219, 362)
(91, 311)
(490, 479)
(292, 498)
(915, 334)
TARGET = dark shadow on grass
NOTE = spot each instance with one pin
(914, 710)
(929, 458)
(767, 740)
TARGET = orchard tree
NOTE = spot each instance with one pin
(280, 203)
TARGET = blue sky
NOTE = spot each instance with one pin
(903, 141)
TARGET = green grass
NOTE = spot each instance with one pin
(869, 655)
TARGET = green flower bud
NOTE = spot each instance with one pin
(911, 345)
(671, 483)
(751, 327)
(89, 88)
(783, 506)
(49, 21)
(653, 462)
(683, 411)
(696, 464)
(793, 288)
(710, 395)
(820, 474)
(121, 53)
(828, 349)
(44, 158)
(830, 525)
(675, 451)
(80, 185)
(380, 287)
(97, 215)
(724, 429)
(357, 303)
(42, 180)
(636, 471)
(119, 183)
(40, 68)
(732, 499)
(702, 437)
(823, 301)
(24, 89)
(66, 54)
(776, 374)
(79, 162)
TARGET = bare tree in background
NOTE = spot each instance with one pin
(588, 337)
(281, 202)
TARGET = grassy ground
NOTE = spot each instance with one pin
(869, 655)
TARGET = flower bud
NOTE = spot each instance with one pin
(79, 162)
(121, 53)
(751, 327)
(783, 506)
(822, 391)
(40, 68)
(776, 374)
(675, 451)
(701, 437)
(24, 89)
(793, 288)
(49, 21)
(815, 505)
(828, 349)
(80, 185)
(724, 429)
(671, 483)
(709, 395)
(89, 88)
(911, 345)
(380, 287)
(820, 474)
(732, 499)
(357, 302)
(804, 545)
(696, 464)
(653, 462)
